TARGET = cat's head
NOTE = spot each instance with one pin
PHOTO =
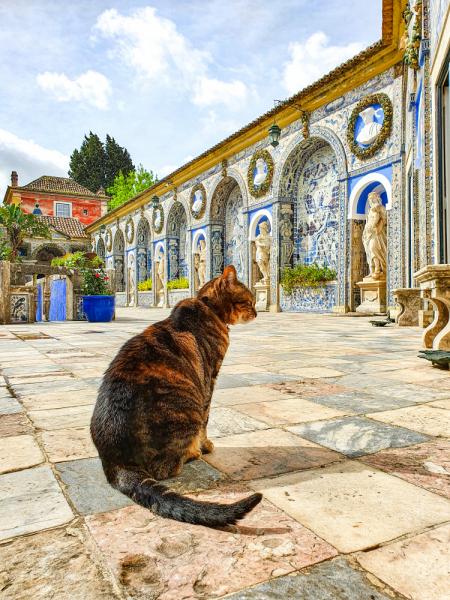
(230, 299)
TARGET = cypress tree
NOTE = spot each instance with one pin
(117, 159)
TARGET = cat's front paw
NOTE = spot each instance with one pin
(207, 447)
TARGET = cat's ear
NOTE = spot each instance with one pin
(229, 276)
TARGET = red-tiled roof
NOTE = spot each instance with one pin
(57, 184)
(67, 225)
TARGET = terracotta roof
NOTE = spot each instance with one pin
(67, 225)
(57, 184)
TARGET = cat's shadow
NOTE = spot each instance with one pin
(254, 531)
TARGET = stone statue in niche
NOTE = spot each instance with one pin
(262, 243)
(160, 272)
(202, 264)
(375, 239)
(371, 128)
(131, 280)
(158, 219)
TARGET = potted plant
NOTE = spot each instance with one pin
(98, 302)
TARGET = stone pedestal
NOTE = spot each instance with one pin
(160, 299)
(434, 281)
(425, 318)
(373, 296)
(262, 293)
(410, 304)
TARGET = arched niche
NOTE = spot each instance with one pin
(101, 250)
(119, 262)
(143, 251)
(261, 215)
(45, 253)
(177, 242)
(360, 190)
(199, 234)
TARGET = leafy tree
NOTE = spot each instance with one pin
(96, 165)
(117, 159)
(19, 225)
(126, 187)
(5, 250)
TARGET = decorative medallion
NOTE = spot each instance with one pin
(158, 219)
(198, 201)
(109, 240)
(260, 173)
(369, 125)
(129, 230)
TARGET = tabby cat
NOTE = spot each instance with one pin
(153, 405)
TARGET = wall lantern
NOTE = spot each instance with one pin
(102, 228)
(155, 201)
(274, 130)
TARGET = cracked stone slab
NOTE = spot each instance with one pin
(14, 424)
(30, 501)
(265, 453)
(353, 506)
(53, 564)
(426, 465)
(357, 436)
(159, 558)
(68, 444)
(9, 405)
(418, 567)
(19, 452)
(224, 421)
(332, 580)
(426, 419)
(62, 418)
(360, 403)
(288, 411)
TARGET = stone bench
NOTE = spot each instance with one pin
(410, 305)
(434, 281)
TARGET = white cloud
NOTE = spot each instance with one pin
(157, 51)
(90, 87)
(188, 159)
(166, 170)
(314, 59)
(29, 160)
(212, 91)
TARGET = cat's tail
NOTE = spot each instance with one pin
(135, 483)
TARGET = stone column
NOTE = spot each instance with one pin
(281, 251)
(216, 251)
(342, 291)
(209, 256)
(5, 286)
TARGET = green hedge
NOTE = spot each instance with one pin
(306, 276)
(178, 284)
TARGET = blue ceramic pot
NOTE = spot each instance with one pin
(99, 309)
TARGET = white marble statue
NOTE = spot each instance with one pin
(158, 219)
(130, 232)
(260, 174)
(160, 271)
(371, 128)
(198, 200)
(202, 264)
(131, 280)
(375, 239)
(262, 243)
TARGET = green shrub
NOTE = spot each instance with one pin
(306, 276)
(145, 286)
(178, 284)
(92, 271)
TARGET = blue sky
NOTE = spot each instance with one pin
(168, 79)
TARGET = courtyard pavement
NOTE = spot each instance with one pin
(341, 426)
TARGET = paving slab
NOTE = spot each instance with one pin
(441, 404)
(19, 452)
(62, 418)
(53, 564)
(42, 378)
(426, 465)
(9, 405)
(239, 369)
(332, 580)
(56, 386)
(288, 411)
(14, 424)
(250, 394)
(410, 392)
(224, 421)
(225, 382)
(87, 487)
(160, 558)
(31, 370)
(357, 436)
(353, 506)
(312, 372)
(30, 501)
(59, 399)
(68, 444)
(266, 453)
(266, 377)
(426, 419)
(360, 403)
(360, 381)
(418, 567)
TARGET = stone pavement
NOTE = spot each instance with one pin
(340, 426)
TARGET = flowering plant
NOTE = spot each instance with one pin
(92, 271)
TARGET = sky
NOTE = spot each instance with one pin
(167, 79)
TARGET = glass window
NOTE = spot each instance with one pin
(62, 209)
(85, 212)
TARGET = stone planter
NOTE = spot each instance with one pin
(308, 300)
